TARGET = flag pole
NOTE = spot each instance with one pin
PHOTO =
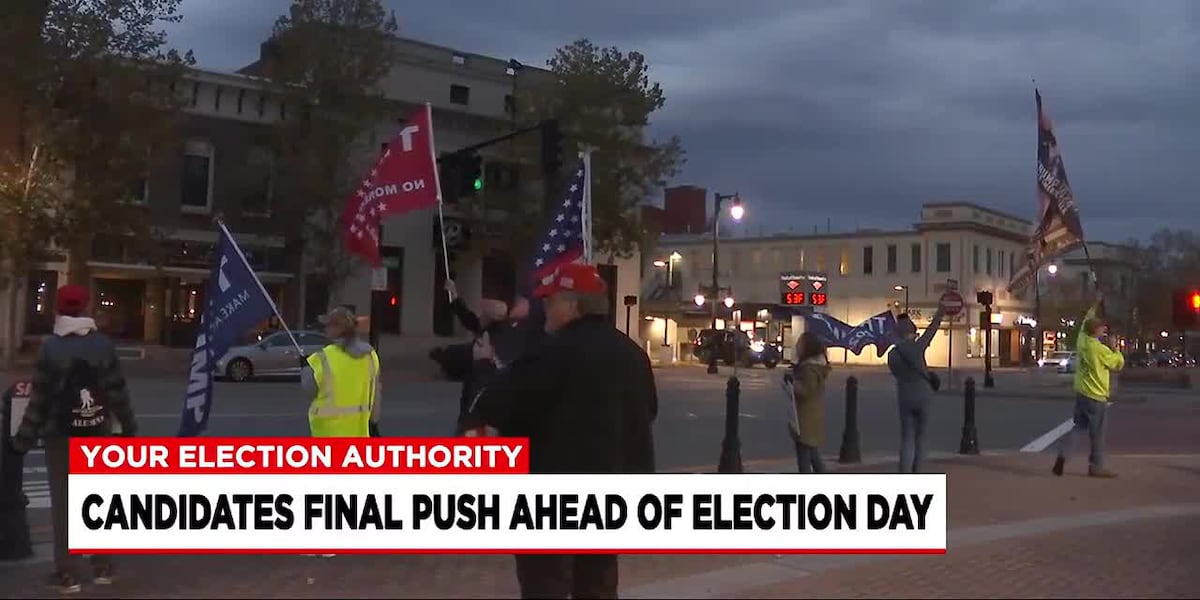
(437, 182)
(238, 249)
(586, 158)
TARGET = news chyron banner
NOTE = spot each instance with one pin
(457, 495)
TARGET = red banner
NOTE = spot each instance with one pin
(404, 179)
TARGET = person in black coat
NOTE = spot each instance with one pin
(586, 399)
(502, 328)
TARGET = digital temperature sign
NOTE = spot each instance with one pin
(803, 288)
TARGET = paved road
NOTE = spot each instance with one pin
(688, 432)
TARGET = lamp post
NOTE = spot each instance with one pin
(903, 288)
(1052, 269)
(736, 211)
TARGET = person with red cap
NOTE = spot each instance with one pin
(78, 388)
(586, 399)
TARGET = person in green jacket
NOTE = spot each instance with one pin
(1096, 362)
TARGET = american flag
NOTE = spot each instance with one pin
(563, 242)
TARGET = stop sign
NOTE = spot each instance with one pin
(951, 303)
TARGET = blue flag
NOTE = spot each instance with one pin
(879, 330)
(234, 303)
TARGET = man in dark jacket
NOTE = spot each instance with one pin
(586, 400)
(75, 345)
(502, 328)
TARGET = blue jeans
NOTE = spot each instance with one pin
(808, 459)
(914, 415)
(1090, 417)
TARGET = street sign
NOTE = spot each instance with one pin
(951, 303)
(952, 285)
(18, 397)
(379, 279)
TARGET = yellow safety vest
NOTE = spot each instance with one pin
(345, 393)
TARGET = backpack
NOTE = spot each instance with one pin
(83, 405)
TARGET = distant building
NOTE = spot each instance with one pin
(975, 245)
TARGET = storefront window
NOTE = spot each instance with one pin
(975, 343)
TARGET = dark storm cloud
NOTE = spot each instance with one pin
(859, 111)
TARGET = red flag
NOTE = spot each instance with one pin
(403, 180)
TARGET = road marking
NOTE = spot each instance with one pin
(38, 493)
(734, 581)
(1049, 437)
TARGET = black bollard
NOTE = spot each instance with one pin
(970, 440)
(851, 453)
(15, 543)
(731, 447)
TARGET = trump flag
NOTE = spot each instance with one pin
(404, 179)
(234, 303)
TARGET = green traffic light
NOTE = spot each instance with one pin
(478, 184)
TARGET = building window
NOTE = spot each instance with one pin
(139, 190)
(260, 182)
(217, 99)
(195, 94)
(510, 105)
(197, 177)
(460, 94)
(459, 59)
(800, 259)
(820, 260)
(756, 259)
(916, 258)
(943, 258)
(844, 264)
(282, 111)
(891, 258)
(988, 264)
(241, 100)
(1012, 263)
(975, 258)
(262, 105)
(868, 260)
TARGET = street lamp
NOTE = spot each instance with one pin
(1164, 334)
(699, 299)
(737, 212)
(903, 288)
(1052, 269)
(728, 301)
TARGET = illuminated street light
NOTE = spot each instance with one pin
(737, 211)
(660, 263)
(699, 299)
(1164, 334)
(728, 301)
(1052, 269)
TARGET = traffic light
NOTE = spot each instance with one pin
(551, 146)
(1186, 309)
(471, 174)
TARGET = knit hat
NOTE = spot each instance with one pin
(72, 300)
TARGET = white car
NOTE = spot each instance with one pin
(1058, 361)
(1067, 365)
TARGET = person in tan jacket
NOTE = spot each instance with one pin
(808, 394)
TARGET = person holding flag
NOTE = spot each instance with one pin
(343, 381)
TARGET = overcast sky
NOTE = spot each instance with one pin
(855, 111)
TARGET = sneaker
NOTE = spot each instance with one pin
(1101, 473)
(1058, 466)
(102, 575)
(64, 583)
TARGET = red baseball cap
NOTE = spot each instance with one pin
(572, 277)
(72, 300)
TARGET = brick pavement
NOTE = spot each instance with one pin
(1150, 558)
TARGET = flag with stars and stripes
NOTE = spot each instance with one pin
(566, 239)
(404, 179)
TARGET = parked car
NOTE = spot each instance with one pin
(749, 352)
(273, 356)
(1140, 358)
(1055, 360)
(1068, 364)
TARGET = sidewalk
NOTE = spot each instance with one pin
(1015, 531)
